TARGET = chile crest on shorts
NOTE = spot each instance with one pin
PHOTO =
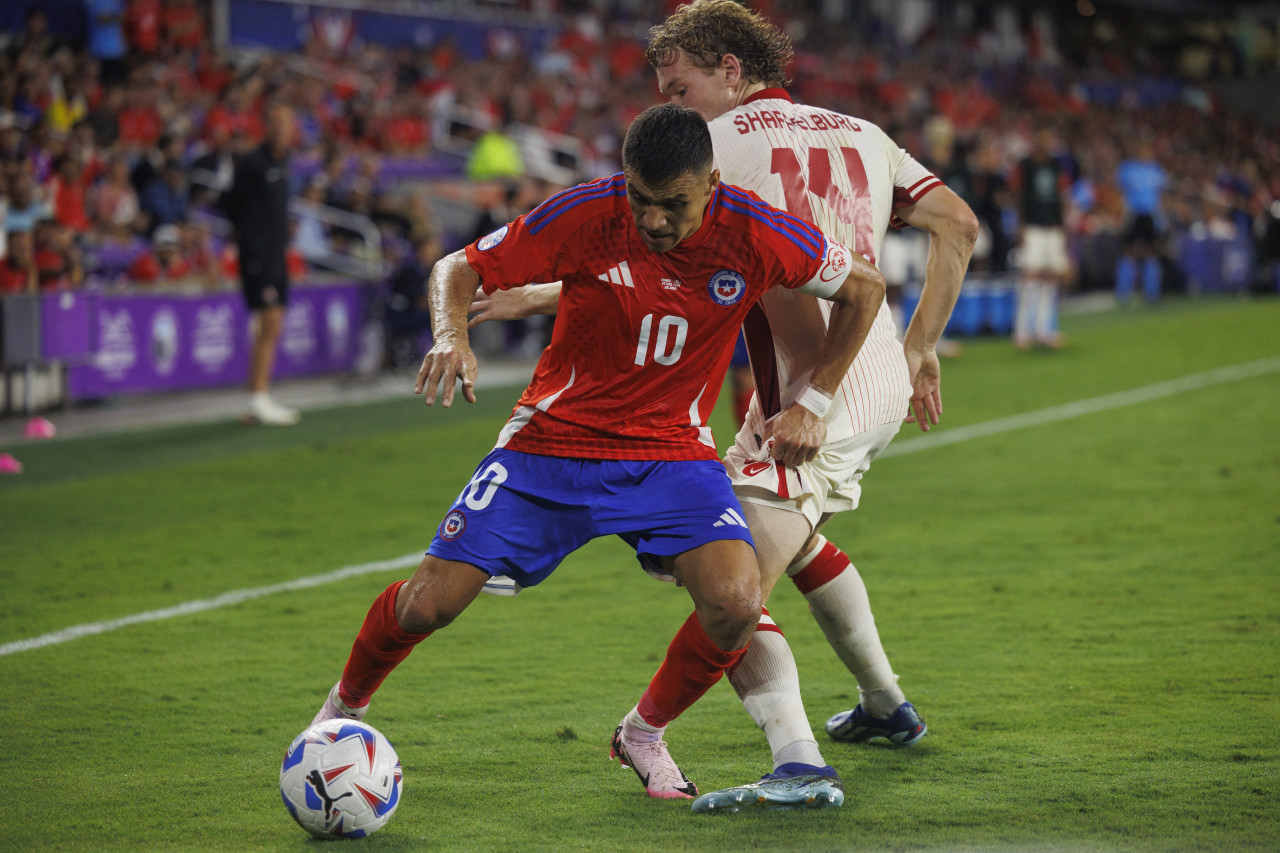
(726, 287)
(453, 525)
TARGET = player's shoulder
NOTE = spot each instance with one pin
(575, 205)
(767, 228)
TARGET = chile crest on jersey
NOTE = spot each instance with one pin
(726, 287)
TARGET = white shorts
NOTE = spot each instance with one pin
(830, 483)
(1044, 250)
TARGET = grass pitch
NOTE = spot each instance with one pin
(1087, 612)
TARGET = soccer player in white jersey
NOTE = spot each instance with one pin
(850, 179)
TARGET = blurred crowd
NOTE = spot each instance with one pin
(114, 150)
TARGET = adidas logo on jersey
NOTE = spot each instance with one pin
(730, 518)
(618, 275)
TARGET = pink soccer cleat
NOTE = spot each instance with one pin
(655, 767)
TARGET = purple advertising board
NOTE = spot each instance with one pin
(163, 342)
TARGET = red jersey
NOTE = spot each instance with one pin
(642, 340)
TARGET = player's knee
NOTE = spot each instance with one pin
(730, 619)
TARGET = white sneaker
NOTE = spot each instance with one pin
(335, 709)
(264, 410)
(655, 767)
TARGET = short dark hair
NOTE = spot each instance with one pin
(665, 142)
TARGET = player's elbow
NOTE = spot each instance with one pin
(867, 288)
(963, 225)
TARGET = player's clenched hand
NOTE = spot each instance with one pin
(797, 435)
(926, 388)
(443, 364)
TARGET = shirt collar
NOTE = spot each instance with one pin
(765, 94)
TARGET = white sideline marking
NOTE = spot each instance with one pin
(1092, 405)
(1194, 382)
(236, 596)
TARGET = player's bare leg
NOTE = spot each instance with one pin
(405, 614)
(724, 583)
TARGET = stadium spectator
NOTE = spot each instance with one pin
(142, 27)
(18, 272)
(164, 201)
(58, 259)
(408, 313)
(66, 192)
(310, 234)
(164, 262)
(668, 197)
(258, 206)
(139, 122)
(27, 204)
(106, 37)
(115, 202)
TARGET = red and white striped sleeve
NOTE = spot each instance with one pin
(911, 182)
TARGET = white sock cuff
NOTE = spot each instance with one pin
(799, 564)
(634, 721)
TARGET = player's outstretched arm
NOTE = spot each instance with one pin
(450, 290)
(799, 430)
(952, 231)
(515, 304)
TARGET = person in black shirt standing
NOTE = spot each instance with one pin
(258, 206)
(1042, 255)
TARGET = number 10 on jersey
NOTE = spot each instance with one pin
(667, 345)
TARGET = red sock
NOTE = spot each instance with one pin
(829, 563)
(378, 649)
(693, 663)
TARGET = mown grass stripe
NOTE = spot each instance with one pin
(1078, 408)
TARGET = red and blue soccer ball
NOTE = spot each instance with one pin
(341, 779)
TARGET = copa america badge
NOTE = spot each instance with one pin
(453, 525)
(726, 287)
(493, 238)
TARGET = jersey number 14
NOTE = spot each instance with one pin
(853, 209)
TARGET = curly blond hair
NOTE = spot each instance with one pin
(706, 30)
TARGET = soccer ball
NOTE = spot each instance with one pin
(341, 779)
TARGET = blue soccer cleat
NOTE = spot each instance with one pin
(904, 728)
(791, 786)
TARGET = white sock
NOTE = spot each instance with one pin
(636, 730)
(768, 684)
(843, 611)
(1024, 319)
(1046, 311)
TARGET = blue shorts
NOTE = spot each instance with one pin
(522, 514)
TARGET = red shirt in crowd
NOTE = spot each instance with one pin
(12, 279)
(147, 269)
(142, 25)
(140, 127)
(69, 204)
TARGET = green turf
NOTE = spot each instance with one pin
(1087, 612)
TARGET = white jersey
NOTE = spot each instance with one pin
(846, 176)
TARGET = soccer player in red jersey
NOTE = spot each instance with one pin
(849, 178)
(659, 266)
